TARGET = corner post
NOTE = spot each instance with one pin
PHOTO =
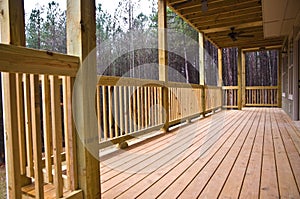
(240, 100)
(81, 41)
(163, 59)
(202, 70)
(279, 80)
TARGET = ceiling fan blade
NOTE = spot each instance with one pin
(249, 36)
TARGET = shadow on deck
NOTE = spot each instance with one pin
(247, 154)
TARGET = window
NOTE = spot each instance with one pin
(290, 69)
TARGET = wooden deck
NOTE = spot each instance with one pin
(253, 153)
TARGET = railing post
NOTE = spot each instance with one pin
(202, 71)
(240, 101)
(12, 32)
(81, 41)
(279, 80)
(163, 59)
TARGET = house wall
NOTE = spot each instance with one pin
(290, 74)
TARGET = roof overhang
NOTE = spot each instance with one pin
(215, 22)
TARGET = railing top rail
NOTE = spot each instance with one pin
(261, 87)
(16, 59)
(127, 81)
(229, 87)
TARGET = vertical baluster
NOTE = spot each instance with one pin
(110, 112)
(56, 134)
(21, 122)
(46, 106)
(28, 126)
(116, 111)
(70, 139)
(130, 108)
(138, 96)
(146, 106)
(121, 105)
(127, 110)
(99, 115)
(36, 135)
(104, 105)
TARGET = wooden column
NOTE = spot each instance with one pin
(12, 32)
(81, 41)
(243, 78)
(163, 59)
(220, 72)
(279, 79)
(240, 101)
(220, 67)
(202, 70)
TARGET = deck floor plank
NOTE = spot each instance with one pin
(215, 184)
(251, 183)
(253, 153)
(286, 180)
(165, 178)
(269, 185)
(158, 161)
(233, 184)
(211, 171)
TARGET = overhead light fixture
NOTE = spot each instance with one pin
(262, 48)
(204, 5)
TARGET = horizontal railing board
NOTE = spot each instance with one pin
(261, 87)
(15, 59)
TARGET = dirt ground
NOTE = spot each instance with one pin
(2, 183)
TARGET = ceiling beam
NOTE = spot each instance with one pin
(227, 7)
(226, 28)
(228, 15)
(233, 20)
(276, 47)
(248, 44)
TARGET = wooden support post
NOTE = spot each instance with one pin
(279, 79)
(81, 41)
(243, 60)
(220, 73)
(240, 101)
(202, 71)
(12, 32)
(220, 67)
(163, 59)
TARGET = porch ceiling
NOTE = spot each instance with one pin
(244, 15)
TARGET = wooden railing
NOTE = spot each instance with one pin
(38, 122)
(185, 102)
(46, 133)
(261, 96)
(230, 96)
(254, 96)
(128, 107)
(213, 98)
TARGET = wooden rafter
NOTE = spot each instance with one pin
(244, 15)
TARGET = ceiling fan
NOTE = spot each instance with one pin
(235, 35)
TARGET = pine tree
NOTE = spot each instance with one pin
(34, 29)
(54, 37)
